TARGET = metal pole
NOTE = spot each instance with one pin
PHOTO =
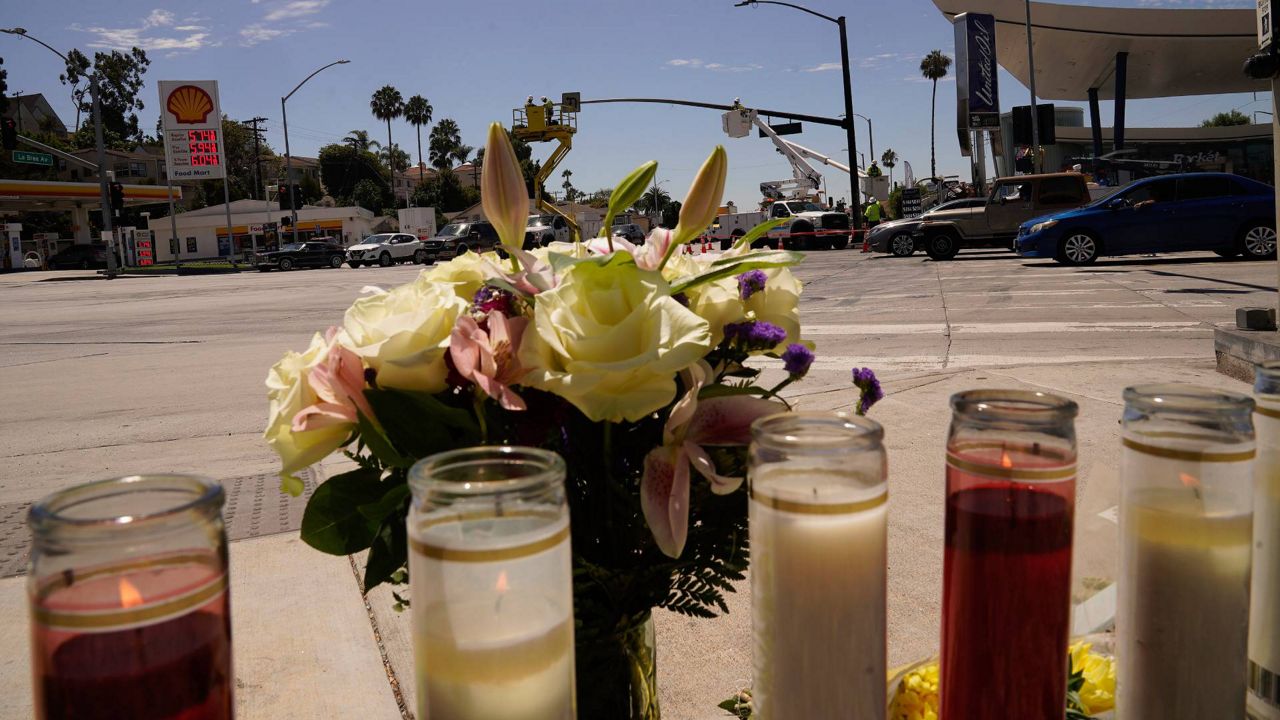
(231, 236)
(1035, 116)
(173, 225)
(108, 229)
(850, 135)
(1275, 138)
(288, 172)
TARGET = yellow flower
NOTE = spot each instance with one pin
(468, 273)
(917, 695)
(610, 341)
(719, 304)
(1099, 691)
(404, 334)
(288, 392)
(502, 191)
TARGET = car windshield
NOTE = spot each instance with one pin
(539, 220)
(291, 247)
(379, 239)
(956, 204)
(453, 230)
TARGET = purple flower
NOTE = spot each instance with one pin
(751, 282)
(681, 298)
(751, 335)
(796, 359)
(869, 387)
(491, 298)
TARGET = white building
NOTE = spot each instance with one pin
(256, 223)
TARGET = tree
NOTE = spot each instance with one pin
(889, 159)
(4, 89)
(671, 214)
(310, 188)
(395, 158)
(387, 104)
(77, 68)
(599, 198)
(444, 193)
(653, 201)
(237, 140)
(934, 67)
(342, 167)
(371, 196)
(418, 112)
(570, 192)
(443, 142)
(119, 94)
(360, 141)
(1226, 119)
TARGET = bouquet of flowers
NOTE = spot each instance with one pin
(628, 360)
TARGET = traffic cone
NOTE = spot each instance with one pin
(780, 243)
(866, 244)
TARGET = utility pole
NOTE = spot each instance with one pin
(258, 191)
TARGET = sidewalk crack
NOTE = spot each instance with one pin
(942, 296)
(405, 712)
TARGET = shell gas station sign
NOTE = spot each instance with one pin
(192, 119)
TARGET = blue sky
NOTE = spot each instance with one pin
(476, 60)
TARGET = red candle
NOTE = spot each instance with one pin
(150, 641)
(1006, 582)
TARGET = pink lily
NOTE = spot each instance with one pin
(338, 382)
(648, 256)
(488, 358)
(535, 277)
(664, 488)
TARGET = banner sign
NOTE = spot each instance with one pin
(977, 88)
(192, 121)
(1264, 24)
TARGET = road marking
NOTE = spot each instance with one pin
(934, 362)
(1013, 328)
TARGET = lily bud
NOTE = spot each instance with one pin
(703, 201)
(627, 191)
(502, 190)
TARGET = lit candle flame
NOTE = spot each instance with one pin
(1190, 481)
(501, 585)
(129, 595)
(1005, 460)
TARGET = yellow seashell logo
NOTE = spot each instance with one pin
(189, 104)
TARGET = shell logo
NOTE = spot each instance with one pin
(189, 104)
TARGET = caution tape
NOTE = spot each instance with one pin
(786, 234)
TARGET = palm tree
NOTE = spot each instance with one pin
(360, 141)
(418, 112)
(653, 201)
(569, 191)
(387, 104)
(443, 141)
(889, 159)
(934, 67)
(395, 158)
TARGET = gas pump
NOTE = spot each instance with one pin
(13, 246)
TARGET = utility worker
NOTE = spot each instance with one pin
(874, 170)
(528, 109)
(549, 110)
(873, 213)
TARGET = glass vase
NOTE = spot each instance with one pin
(618, 671)
(1006, 598)
(1186, 498)
(129, 601)
(1264, 612)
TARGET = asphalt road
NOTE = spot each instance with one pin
(165, 374)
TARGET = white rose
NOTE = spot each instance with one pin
(778, 303)
(404, 334)
(467, 272)
(288, 393)
(719, 304)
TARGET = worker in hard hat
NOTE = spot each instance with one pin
(549, 111)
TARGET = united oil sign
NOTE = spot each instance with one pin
(977, 88)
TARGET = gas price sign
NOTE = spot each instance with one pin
(192, 129)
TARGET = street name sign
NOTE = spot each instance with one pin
(192, 120)
(33, 158)
(1264, 24)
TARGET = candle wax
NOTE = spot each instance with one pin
(1184, 605)
(1264, 622)
(818, 600)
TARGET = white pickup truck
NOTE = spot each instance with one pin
(809, 226)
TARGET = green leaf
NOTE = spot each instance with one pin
(387, 553)
(728, 267)
(332, 522)
(562, 263)
(628, 191)
(417, 424)
(378, 443)
(389, 503)
(758, 232)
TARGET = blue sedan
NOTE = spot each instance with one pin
(1227, 214)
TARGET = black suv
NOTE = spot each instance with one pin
(457, 238)
(312, 253)
(93, 255)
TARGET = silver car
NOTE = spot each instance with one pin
(895, 236)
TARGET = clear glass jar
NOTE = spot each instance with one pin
(490, 572)
(819, 537)
(1264, 612)
(1006, 588)
(1186, 483)
(129, 599)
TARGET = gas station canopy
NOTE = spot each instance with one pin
(1170, 53)
(42, 195)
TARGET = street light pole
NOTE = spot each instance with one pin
(104, 191)
(850, 135)
(288, 156)
(1035, 115)
(871, 136)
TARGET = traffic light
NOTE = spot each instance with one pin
(9, 130)
(283, 194)
(116, 192)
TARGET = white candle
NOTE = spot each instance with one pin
(818, 559)
(1186, 526)
(493, 615)
(1264, 618)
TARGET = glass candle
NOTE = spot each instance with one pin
(492, 585)
(1186, 479)
(1006, 588)
(818, 556)
(129, 601)
(1264, 612)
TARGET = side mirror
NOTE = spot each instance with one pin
(1116, 203)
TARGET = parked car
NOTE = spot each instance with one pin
(895, 236)
(83, 257)
(629, 231)
(384, 249)
(456, 239)
(1013, 201)
(312, 253)
(542, 230)
(1227, 214)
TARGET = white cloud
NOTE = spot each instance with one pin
(190, 28)
(158, 18)
(680, 62)
(296, 9)
(698, 64)
(823, 67)
(188, 37)
(259, 33)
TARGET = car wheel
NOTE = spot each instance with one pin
(335, 261)
(1078, 248)
(420, 257)
(1258, 241)
(804, 242)
(286, 264)
(839, 242)
(901, 245)
(1227, 253)
(942, 246)
(384, 260)
(354, 264)
(462, 250)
